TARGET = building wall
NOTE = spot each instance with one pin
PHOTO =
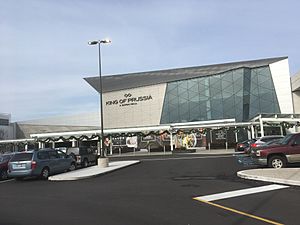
(82, 119)
(6, 128)
(281, 78)
(295, 82)
(296, 100)
(134, 107)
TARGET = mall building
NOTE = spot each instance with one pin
(213, 105)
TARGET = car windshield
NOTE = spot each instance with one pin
(286, 139)
(22, 157)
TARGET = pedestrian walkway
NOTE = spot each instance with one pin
(201, 151)
(92, 171)
(288, 176)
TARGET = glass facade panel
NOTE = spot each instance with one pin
(241, 94)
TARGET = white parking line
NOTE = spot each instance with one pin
(4, 181)
(185, 158)
(248, 191)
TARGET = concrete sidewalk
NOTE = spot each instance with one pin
(288, 176)
(199, 151)
(92, 171)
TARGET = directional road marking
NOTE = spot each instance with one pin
(248, 191)
(209, 198)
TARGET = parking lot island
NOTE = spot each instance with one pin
(92, 171)
(288, 176)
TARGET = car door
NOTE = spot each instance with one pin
(43, 160)
(294, 150)
(54, 162)
(64, 161)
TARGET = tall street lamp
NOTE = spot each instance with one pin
(102, 161)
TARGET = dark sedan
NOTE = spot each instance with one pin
(244, 146)
(4, 159)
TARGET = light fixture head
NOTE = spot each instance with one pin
(93, 42)
(105, 41)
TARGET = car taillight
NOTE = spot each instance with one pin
(253, 145)
(33, 165)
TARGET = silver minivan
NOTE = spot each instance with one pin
(39, 163)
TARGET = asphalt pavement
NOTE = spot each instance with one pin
(164, 190)
(288, 176)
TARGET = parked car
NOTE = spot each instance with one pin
(243, 146)
(4, 159)
(263, 140)
(273, 142)
(40, 163)
(83, 156)
(279, 155)
(260, 141)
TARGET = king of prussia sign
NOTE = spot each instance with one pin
(129, 100)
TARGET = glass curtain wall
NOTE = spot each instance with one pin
(241, 94)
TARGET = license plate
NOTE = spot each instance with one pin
(18, 166)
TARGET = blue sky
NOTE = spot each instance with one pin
(44, 54)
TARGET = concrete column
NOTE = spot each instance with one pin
(252, 131)
(281, 130)
(110, 146)
(171, 141)
(236, 136)
(98, 147)
(261, 127)
(249, 133)
(74, 143)
(226, 142)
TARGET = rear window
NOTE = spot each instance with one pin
(22, 157)
(4, 158)
(73, 150)
(267, 139)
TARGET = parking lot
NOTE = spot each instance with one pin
(159, 190)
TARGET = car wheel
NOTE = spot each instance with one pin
(72, 167)
(45, 173)
(3, 175)
(277, 162)
(85, 163)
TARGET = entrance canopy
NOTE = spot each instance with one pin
(286, 121)
(145, 131)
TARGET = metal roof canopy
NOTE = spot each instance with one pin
(213, 124)
(17, 141)
(133, 80)
(268, 117)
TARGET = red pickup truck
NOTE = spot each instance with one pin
(279, 155)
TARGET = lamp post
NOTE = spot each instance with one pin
(102, 161)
